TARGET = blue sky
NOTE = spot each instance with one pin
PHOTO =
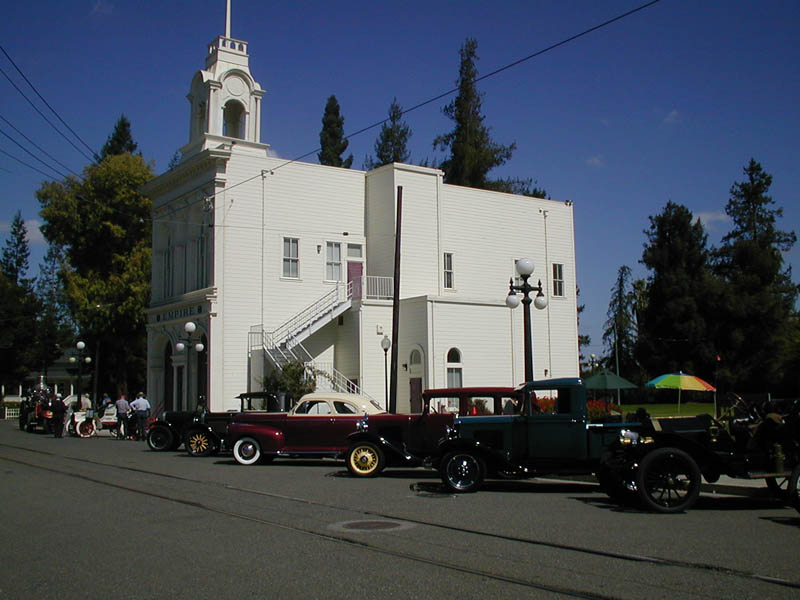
(667, 104)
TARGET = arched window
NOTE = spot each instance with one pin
(454, 369)
(233, 120)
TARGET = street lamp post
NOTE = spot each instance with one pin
(80, 360)
(524, 267)
(186, 344)
(386, 343)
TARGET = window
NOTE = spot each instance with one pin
(354, 251)
(449, 281)
(313, 407)
(333, 261)
(344, 408)
(455, 377)
(233, 120)
(558, 280)
(291, 257)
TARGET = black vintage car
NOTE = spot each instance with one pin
(659, 460)
(203, 432)
(36, 410)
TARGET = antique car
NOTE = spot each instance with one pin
(660, 461)
(317, 426)
(36, 410)
(203, 432)
(409, 439)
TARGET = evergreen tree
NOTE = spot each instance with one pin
(758, 299)
(620, 331)
(54, 330)
(17, 319)
(391, 145)
(120, 141)
(472, 152)
(16, 253)
(331, 138)
(103, 225)
(675, 332)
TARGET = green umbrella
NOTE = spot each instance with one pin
(606, 380)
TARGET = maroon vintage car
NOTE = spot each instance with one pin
(317, 426)
(407, 440)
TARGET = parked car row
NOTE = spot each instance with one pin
(540, 428)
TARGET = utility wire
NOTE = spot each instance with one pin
(491, 74)
(26, 164)
(46, 104)
(39, 148)
(32, 155)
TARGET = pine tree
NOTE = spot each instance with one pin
(620, 335)
(120, 141)
(758, 299)
(331, 138)
(391, 145)
(676, 329)
(54, 330)
(472, 152)
(16, 253)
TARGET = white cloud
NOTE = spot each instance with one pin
(598, 161)
(672, 117)
(35, 236)
(102, 7)
(710, 220)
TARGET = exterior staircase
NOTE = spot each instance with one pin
(283, 344)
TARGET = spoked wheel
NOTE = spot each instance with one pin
(199, 443)
(86, 428)
(668, 480)
(462, 472)
(779, 487)
(160, 439)
(365, 459)
(247, 451)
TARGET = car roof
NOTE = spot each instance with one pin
(363, 402)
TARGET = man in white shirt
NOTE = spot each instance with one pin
(141, 406)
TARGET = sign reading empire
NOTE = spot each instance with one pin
(179, 313)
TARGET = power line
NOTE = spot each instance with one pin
(46, 103)
(42, 150)
(26, 164)
(32, 155)
(488, 75)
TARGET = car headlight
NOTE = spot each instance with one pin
(628, 437)
(362, 425)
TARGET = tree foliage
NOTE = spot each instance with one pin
(120, 141)
(54, 331)
(758, 299)
(392, 143)
(472, 152)
(14, 262)
(620, 333)
(103, 225)
(295, 379)
(675, 333)
(331, 138)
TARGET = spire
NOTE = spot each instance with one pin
(228, 19)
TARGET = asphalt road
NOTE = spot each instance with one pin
(102, 518)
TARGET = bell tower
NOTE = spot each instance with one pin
(225, 100)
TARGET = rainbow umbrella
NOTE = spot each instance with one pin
(680, 381)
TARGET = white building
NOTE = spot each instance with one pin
(273, 259)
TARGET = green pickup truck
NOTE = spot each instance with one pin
(659, 460)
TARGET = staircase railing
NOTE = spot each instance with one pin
(341, 293)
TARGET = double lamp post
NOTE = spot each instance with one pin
(524, 267)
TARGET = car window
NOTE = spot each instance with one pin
(345, 408)
(314, 407)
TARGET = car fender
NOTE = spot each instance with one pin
(490, 455)
(390, 449)
(195, 427)
(163, 423)
(270, 438)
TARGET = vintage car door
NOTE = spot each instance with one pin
(320, 425)
(560, 433)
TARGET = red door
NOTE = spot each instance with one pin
(355, 270)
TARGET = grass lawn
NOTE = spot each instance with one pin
(688, 409)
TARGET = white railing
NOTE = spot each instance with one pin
(378, 288)
(341, 293)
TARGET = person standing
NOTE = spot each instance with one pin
(58, 416)
(142, 407)
(123, 408)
